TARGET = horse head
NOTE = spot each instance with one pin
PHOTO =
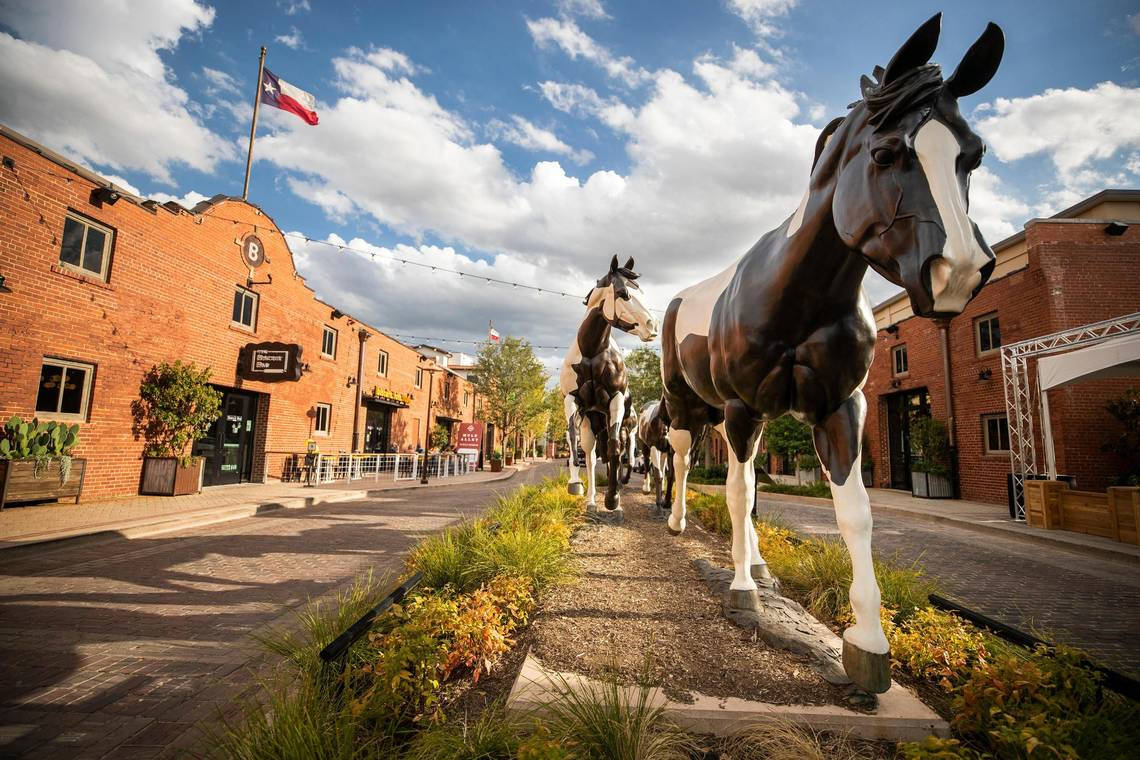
(904, 155)
(618, 295)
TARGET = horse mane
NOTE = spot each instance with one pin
(887, 103)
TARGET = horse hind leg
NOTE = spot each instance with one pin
(570, 409)
(681, 441)
(586, 434)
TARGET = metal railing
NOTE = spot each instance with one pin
(319, 469)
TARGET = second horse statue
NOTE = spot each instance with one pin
(593, 379)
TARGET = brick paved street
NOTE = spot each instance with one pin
(1060, 595)
(117, 649)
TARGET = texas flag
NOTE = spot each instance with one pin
(492, 334)
(280, 94)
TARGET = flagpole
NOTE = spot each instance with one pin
(253, 126)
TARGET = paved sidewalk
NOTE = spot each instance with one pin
(125, 649)
(137, 516)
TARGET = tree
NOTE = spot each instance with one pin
(1125, 442)
(556, 409)
(789, 437)
(175, 407)
(643, 365)
(511, 382)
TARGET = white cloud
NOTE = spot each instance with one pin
(87, 79)
(760, 14)
(1134, 22)
(1081, 131)
(580, 100)
(122, 183)
(188, 200)
(586, 8)
(293, 7)
(292, 39)
(523, 133)
(565, 34)
(219, 82)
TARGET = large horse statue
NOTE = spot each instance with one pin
(653, 440)
(593, 379)
(788, 329)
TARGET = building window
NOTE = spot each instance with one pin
(245, 308)
(65, 388)
(446, 389)
(899, 363)
(328, 343)
(382, 363)
(987, 333)
(466, 398)
(321, 421)
(995, 430)
(419, 378)
(86, 246)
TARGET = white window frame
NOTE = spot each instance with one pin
(335, 337)
(466, 397)
(85, 398)
(256, 304)
(986, 419)
(445, 391)
(109, 238)
(419, 377)
(327, 409)
(985, 318)
(382, 364)
(895, 352)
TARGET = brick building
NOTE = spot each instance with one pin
(100, 285)
(1057, 273)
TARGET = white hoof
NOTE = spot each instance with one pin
(867, 638)
(744, 583)
(676, 527)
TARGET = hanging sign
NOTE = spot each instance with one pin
(252, 251)
(270, 362)
(470, 439)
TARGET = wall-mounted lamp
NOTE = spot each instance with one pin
(1116, 229)
(9, 163)
(351, 382)
(337, 313)
(306, 368)
(896, 383)
(985, 374)
(101, 195)
(249, 281)
(892, 329)
(3, 284)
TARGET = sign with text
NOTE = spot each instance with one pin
(270, 362)
(470, 439)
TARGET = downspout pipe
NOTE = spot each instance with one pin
(948, 383)
(364, 336)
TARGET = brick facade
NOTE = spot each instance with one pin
(169, 295)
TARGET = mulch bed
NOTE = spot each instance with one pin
(640, 610)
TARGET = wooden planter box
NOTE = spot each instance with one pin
(1052, 505)
(807, 477)
(496, 465)
(509, 460)
(868, 478)
(163, 476)
(927, 486)
(18, 481)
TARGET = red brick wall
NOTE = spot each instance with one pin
(169, 296)
(1076, 274)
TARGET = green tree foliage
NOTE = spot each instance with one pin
(556, 427)
(787, 436)
(1125, 442)
(643, 365)
(930, 442)
(175, 407)
(440, 437)
(511, 381)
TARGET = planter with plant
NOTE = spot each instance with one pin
(36, 462)
(509, 456)
(868, 463)
(497, 461)
(807, 468)
(176, 406)
(930, 465)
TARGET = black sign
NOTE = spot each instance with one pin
(270, 362)
(253, 251)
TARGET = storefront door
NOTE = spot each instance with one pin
(901, 409)
(228, 446)
(377, 428)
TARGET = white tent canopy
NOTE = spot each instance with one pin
(1119, 357)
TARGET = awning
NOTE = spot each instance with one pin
(1119, 357)
(385, 401)
(445, 418)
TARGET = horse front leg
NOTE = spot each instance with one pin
(681, 441)
(586, 435)
(647, 463)
(570, 409)
(614, 450)
(866, 653)
(739, 492)
(666, 470)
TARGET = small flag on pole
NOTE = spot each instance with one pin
(278, 93)
(492, 333)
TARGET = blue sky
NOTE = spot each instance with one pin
(531, 140)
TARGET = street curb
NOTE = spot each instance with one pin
(1042, 539)
(146, 527)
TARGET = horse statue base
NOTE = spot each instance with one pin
(659, 513)
(605, 516)
(575, 489)
(784, 624)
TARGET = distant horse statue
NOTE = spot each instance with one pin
(593, 379)
(653, 441)
(788, 329)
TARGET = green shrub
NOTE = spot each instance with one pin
(715, 474)
(939, 647)
(445, 558)
(819, 489)
(937, 748)
(930, 442)
(784, 740)
(541, 556)
(492, 736)
(176, 406)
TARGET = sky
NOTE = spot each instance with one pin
(530, 140)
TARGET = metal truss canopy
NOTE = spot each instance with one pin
(1019, 402)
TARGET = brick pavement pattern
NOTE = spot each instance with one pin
(1058, 595)
(124, 648)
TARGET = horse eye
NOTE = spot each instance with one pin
(882, 156)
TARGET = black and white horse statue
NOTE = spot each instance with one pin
(593, 378)
(656, 453)
(788, 329)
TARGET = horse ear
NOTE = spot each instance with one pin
(979, 64)
(629, 264)
(614, 263)
(916, 51)
(821, 141)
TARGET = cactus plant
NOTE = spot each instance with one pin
(39, 441)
